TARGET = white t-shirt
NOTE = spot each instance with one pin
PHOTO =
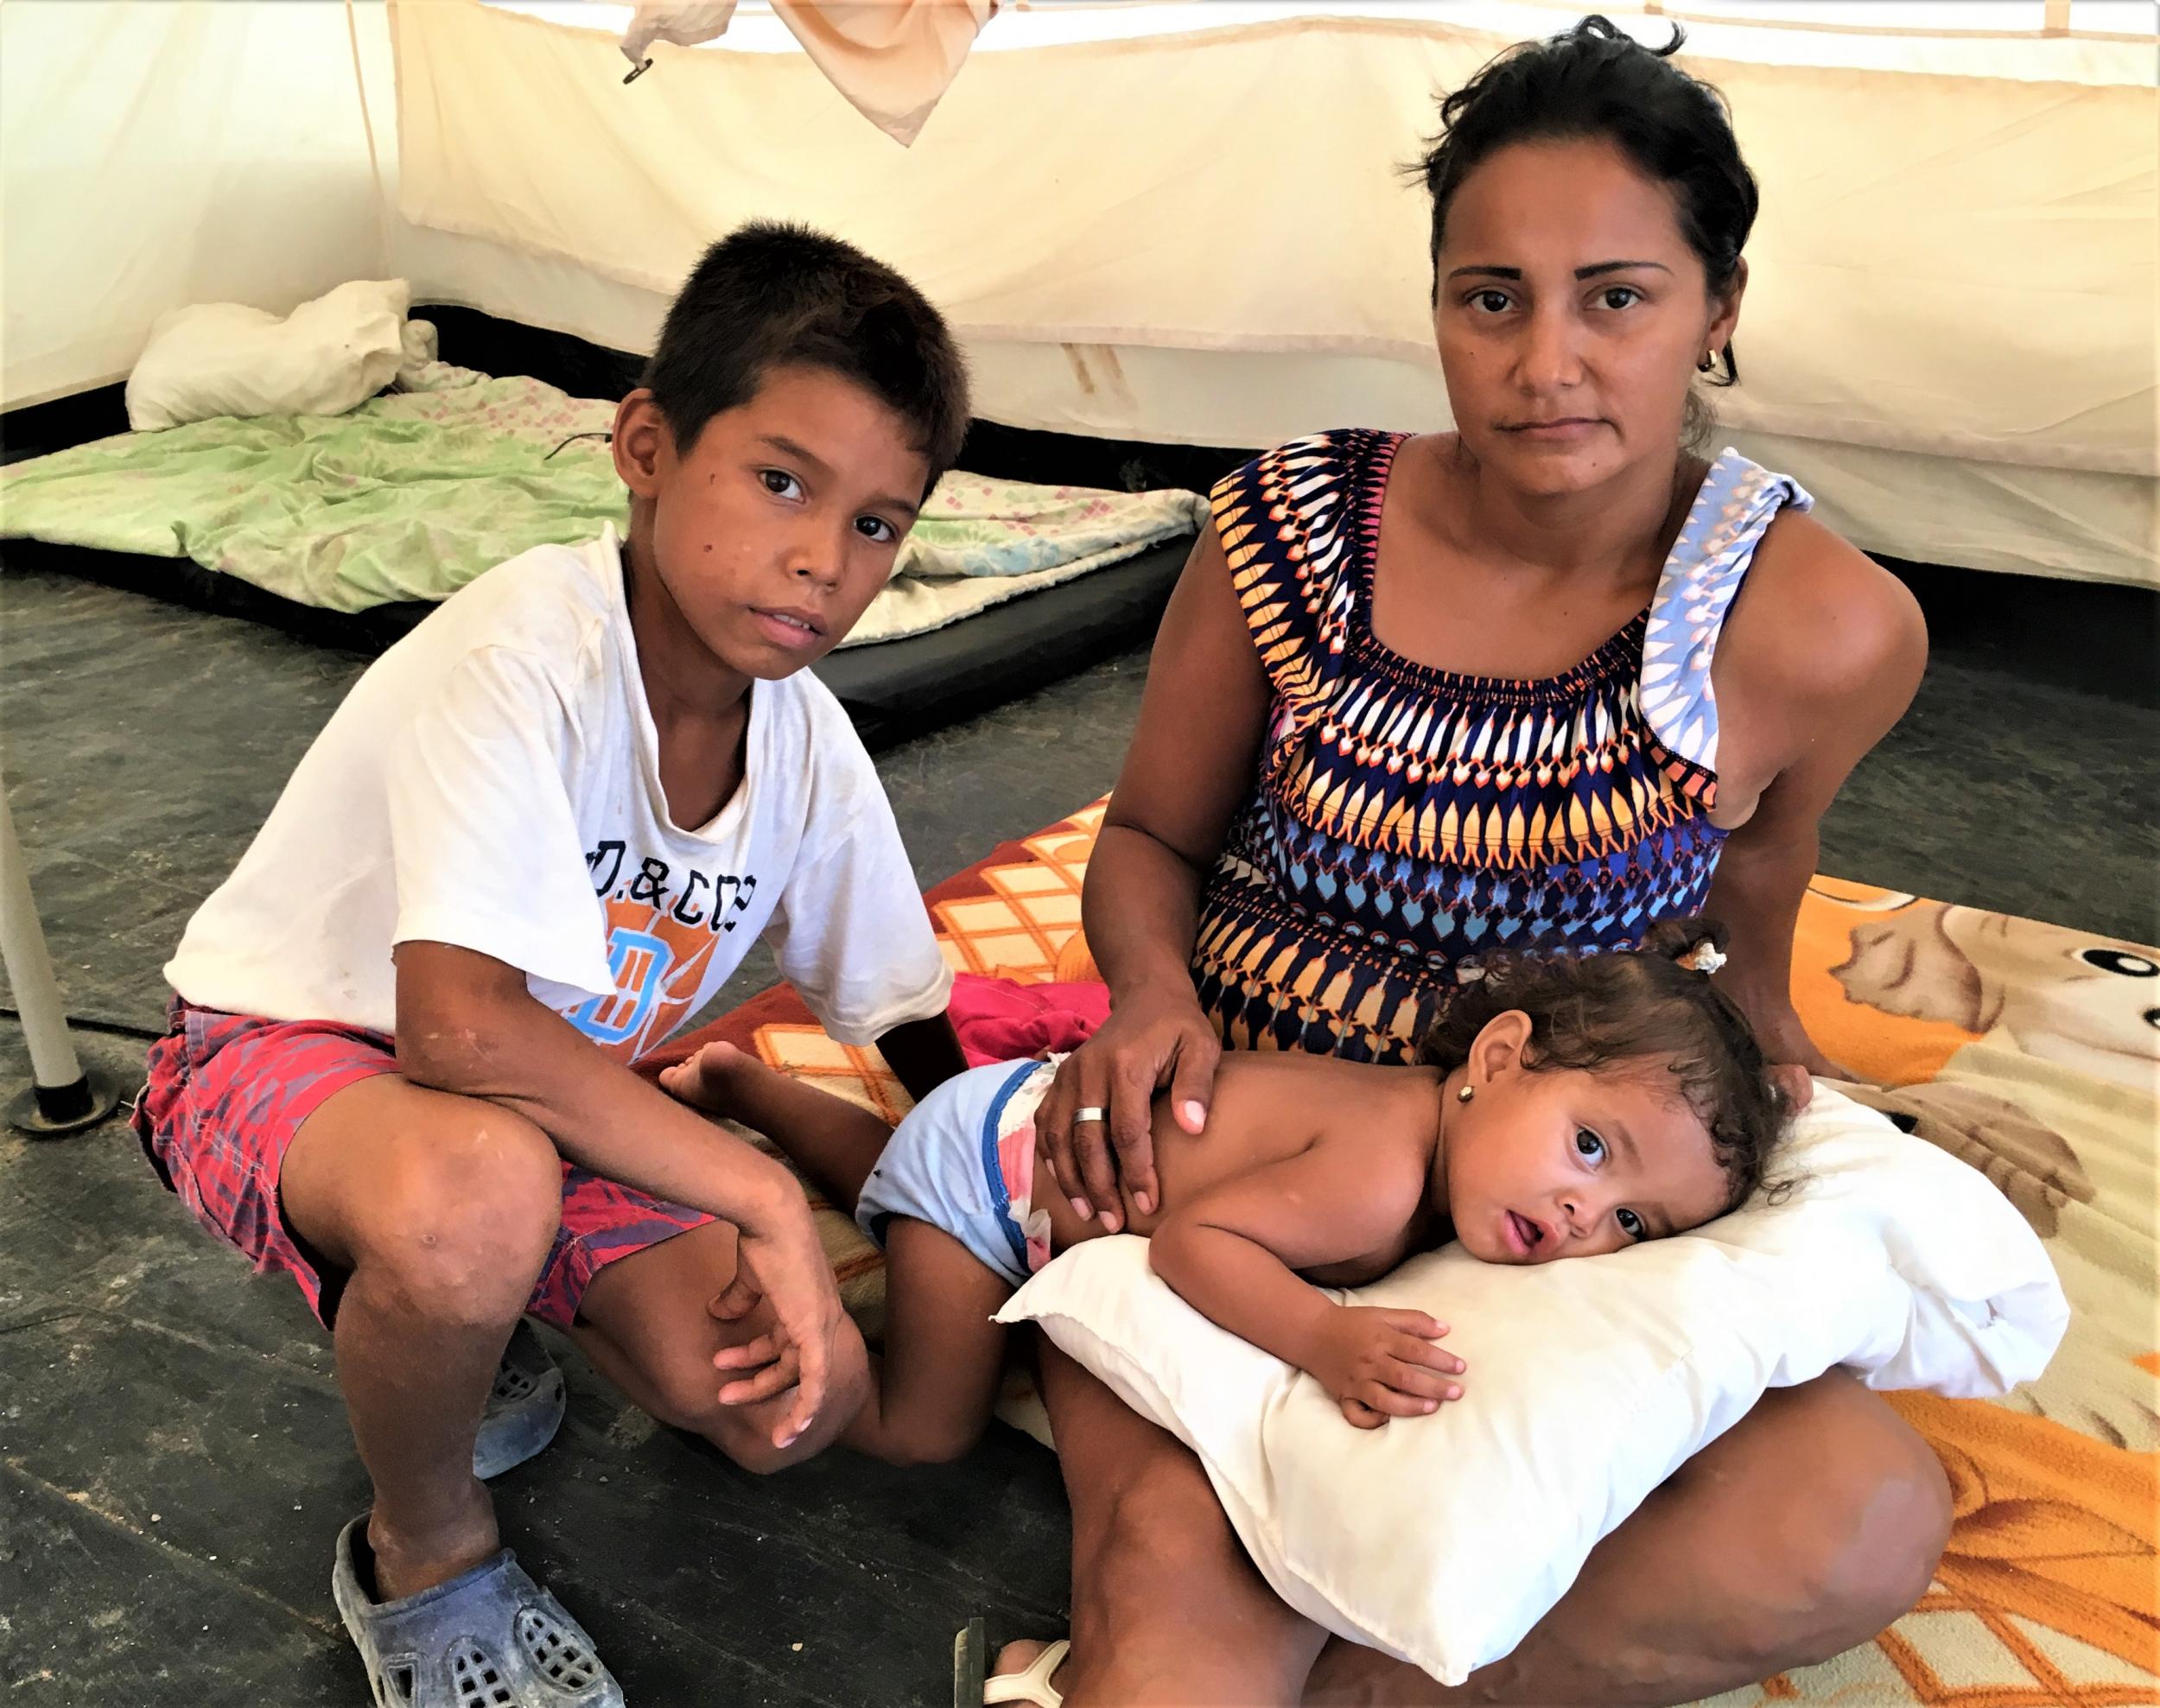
(493, 781)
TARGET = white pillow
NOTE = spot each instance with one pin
(222, 358)
(1443, 1539)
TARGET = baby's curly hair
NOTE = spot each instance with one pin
(1589, 1012)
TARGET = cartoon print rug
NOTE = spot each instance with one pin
(2032, 1051)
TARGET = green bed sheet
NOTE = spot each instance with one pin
(415, 493)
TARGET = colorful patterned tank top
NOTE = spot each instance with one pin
(1407, 819)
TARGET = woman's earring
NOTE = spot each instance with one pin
(1466, 1093)
(1709, 362)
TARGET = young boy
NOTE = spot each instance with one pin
(538, 836)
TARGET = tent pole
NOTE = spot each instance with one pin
(62, 1097)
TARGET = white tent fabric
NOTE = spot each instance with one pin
(154, 155)
(1231, 191)
(1167, 222)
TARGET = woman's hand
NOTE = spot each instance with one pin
(1195, 753)
(1152, 1038)
(1768, 1003)
(1795, 1063)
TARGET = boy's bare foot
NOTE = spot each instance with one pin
(1018, 1657)
(408, 1561)
(708, 1080)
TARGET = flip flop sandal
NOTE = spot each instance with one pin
(524, 1408)
(971, 1686)
(488, 1638)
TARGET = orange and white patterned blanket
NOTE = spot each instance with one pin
(2032, 1051)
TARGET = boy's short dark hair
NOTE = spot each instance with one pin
(771, 295)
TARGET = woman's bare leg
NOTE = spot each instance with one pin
(1167, 1609)
(1805, 1529)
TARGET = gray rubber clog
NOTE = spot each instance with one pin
(524, 1408)
(488, 1638)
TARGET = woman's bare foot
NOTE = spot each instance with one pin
(1018, 1657)
(709, 1080)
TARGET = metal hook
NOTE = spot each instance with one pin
(608, 438)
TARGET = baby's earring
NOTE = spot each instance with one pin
(1466, 1093)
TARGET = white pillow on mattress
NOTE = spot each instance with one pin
(1443, 1539)
(225, 358)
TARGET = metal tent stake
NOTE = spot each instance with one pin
(62, 1097)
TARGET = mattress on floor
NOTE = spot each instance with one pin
(891, 690)
(2029, 1049)
(414, 493)
(897, 689)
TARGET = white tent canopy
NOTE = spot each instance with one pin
(1161, 221)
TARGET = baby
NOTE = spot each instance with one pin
(1559, 1107)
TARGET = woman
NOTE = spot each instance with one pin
(1544, 678)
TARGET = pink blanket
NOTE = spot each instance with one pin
(1001, 1021)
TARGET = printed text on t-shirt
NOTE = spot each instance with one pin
(707, 899)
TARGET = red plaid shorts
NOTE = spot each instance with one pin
(226, 1093)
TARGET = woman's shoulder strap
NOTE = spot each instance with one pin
(1736, 503)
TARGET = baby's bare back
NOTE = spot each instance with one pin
(1267, 1108)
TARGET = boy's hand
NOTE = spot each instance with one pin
(1379, 1364)
(784, 1264)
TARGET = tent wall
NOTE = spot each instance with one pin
(1193, 238)
(161, 154)
(1202, 238)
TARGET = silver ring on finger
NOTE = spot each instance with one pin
(1098, 1116)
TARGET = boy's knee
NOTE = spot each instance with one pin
(468, 1213)
(746, 1437)
(933, 1444)
(684, 1394)
(687, 1396)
